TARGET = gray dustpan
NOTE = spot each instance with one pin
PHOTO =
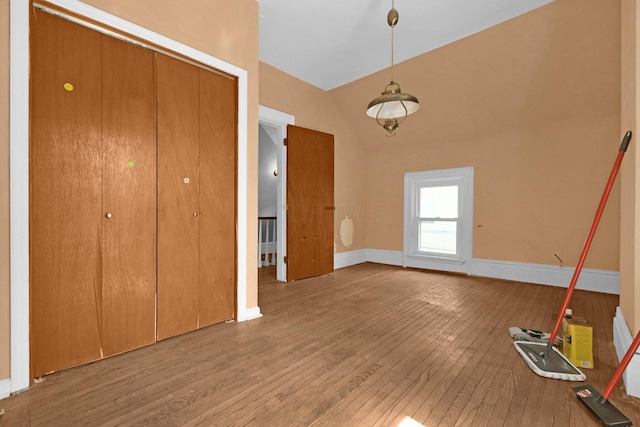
(608, 414)
(599, 403)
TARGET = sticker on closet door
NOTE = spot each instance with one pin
(68, 87)
(186, 180)
(131, 163)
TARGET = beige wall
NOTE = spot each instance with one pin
(630, 204)
(5, 349)
(534, 105)
(316, 109)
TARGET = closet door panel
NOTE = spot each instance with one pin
(129, 197)
(178, 187)
(65, 194)
(217, 198)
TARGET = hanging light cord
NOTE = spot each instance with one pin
(393, 106)
(392, 27)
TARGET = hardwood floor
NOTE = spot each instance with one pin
(368, 345)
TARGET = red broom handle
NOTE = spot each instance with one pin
(592, 232)
(623, 365)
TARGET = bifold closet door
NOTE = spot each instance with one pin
(92, 195)
(218, 189)
(196, 196)
(129, 197)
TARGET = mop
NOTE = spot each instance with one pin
(533, 335)
(599, 403)
(544, 358)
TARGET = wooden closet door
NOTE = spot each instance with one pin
(65, 194)
(218, 189)
(178, 201)
(129, 197)
(93, 207)
(197, 122)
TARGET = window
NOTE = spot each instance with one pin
(438, 219)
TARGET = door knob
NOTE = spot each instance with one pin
(195, 214)
(108, 215)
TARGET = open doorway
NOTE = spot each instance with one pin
(272, 132)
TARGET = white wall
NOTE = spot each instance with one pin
(267, 181)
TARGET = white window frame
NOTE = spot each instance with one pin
(413, 182)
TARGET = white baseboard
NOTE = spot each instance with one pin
(5, 388)
(622, 340)
(384, 257)
(589, 280)
(379, 256)
(250, 314)
(346, 259)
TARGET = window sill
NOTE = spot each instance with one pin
(435, 262)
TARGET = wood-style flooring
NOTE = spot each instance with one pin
(368, 345)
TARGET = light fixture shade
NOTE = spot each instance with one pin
(393, 105)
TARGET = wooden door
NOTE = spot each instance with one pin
(92, 288)
(218, 189)
(178, 204)
(309, 203)
(129, 197)
(66, 194)
(196, 197)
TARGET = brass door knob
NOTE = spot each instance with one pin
(108, 215)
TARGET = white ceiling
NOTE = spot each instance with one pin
(329, 43)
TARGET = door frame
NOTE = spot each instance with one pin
(19, 166)
(279, 121)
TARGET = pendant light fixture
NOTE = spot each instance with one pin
(392, 107)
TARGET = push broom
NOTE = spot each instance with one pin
(544, 358)
(599, 403)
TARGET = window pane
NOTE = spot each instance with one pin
(439, 202)
(438, 237)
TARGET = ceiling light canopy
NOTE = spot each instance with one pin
(392, 107)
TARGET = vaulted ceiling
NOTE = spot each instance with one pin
(330, 43)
